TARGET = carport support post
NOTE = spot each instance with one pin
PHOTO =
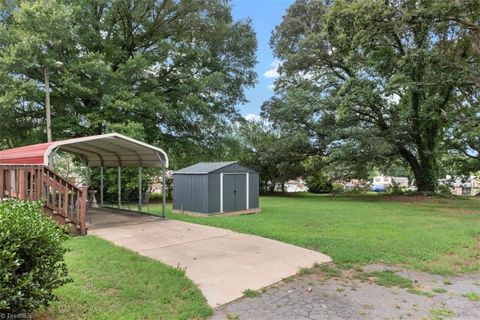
(87, 175)
(164, 182)
(119, 187)
(101, 186)
(140, 189)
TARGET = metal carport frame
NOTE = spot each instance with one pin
(107, 150)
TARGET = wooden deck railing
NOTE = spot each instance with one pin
(63, 201)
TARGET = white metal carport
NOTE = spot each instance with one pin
(106, 150)
(114, 150)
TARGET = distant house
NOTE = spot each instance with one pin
(382, 182)
(353, 184)
(462, 186)
(298, 185)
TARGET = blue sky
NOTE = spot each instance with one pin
(265, 15)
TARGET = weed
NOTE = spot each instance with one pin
(421, 292)
(305, 271)
(330, 272)
(389, 278)
(472, 296)
(249, 293)
(232, 316)
(442, 313)
(362, 276)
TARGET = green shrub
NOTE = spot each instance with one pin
(444, 190)
(318, 183)
(337, 188)
(31, 257)
(156, 196)
(356, 190)
(395, 190)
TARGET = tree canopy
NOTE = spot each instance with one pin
(374, 81)
(174, 70)
(364, 85)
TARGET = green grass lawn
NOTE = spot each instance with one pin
(439, 235)
(435, 234)
(114, 283)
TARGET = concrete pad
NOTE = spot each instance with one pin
(221, 262)
(106, 218)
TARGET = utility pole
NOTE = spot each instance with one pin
(47, 106)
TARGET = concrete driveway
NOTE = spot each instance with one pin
(221, 262)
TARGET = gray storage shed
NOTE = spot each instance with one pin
(214, 188)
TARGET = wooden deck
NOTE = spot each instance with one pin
(62, 200)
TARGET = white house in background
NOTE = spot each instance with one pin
(387, 181)
(298, 185)
(463, 186)
(354, 183)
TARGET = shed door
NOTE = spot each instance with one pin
(234, 192)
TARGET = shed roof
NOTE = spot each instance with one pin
(109, 150)
(205, 167)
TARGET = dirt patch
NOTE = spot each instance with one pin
(458, 211)
(111, 291)
(406, 199)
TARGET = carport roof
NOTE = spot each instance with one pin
(204, 167)
(108, 150)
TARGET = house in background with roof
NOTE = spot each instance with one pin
(462, 186)
(353, 184)
(292, 185)
(381, 182)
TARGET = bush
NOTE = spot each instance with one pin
(395, 190)
(444, 190)
(356, 190)
(156, 196)
(318, 183)
(31, 257)
(337, 188)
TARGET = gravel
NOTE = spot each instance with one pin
(315, 296)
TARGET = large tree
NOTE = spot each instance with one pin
(175, 67)
(393, 75)
(277, 158)
(464, 141)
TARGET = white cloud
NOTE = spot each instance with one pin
(253, 117)
(273, 72)
(271, 87)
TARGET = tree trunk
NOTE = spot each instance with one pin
(271, 187)
(426, 177)
(265, 186)
(425, 170)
